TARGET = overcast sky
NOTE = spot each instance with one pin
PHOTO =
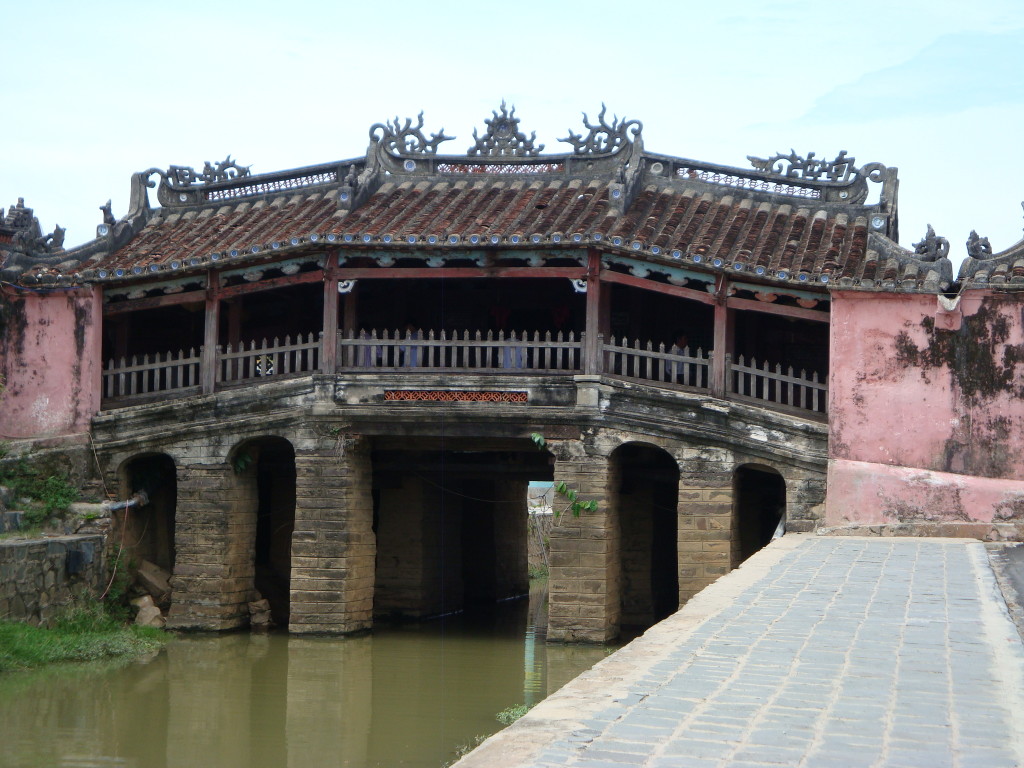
(93, 92)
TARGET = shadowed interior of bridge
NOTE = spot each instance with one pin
(451, 527)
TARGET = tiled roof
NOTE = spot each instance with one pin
(175, 237)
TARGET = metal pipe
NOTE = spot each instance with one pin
(140, 499)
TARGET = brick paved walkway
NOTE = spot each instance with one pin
(827, 652)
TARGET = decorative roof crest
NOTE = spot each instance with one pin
(603, 139)
(21, 221)
(978, 247)
(403, 140)
(226, 170)
(503, 137)
(798, 167)
(932, 247)
(18, 217)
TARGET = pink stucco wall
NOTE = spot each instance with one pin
(50, 357)
(860, 493)
(915, 385)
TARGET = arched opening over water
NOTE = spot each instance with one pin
(647, 501)
(451, 524)
(149, 528)
(265, 469)
(759, 504)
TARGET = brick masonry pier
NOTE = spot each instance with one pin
(818, 651)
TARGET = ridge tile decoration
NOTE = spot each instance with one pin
(225, 170)
(603, 138)
(406, 140)
(503, 137)
(799, 167)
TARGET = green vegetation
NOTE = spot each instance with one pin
(538, 571)
(51, 493)
(569, 494)
(84, 632)
(509, 715)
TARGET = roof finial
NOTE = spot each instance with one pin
(603, 139)
(503, 137)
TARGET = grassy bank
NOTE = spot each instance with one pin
(83, 633)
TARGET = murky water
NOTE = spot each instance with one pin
(403, 696)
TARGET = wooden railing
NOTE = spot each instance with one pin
(143, 375)
(467, 351)
(140, 376)
(664, 365)
(258, 360)
(759, 382)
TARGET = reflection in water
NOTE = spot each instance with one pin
(407, 695)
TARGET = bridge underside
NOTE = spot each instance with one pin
(341, 509)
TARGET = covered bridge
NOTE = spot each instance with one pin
(336, 383)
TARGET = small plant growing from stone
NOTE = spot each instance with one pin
(571, 495)
(242, 462)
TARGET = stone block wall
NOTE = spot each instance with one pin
(584, 599)
(333, 546)
(38, 577)
(215, 537)
(706, 537)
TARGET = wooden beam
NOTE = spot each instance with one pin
(154, 302)
(650, 285)
(815, 315)
(419, 273)
(302, 278)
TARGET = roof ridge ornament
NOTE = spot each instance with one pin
(503, 137)
(226, 170)
(404, 140)
(796, 166)
(603, 139)
(19, 216)
(978, 247)
(932, 247)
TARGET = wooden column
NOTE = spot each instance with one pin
(121, 338)
(234, 308)
(723, 339)
(350, 319)
(329, 339)
(595, 316)
(211, 333)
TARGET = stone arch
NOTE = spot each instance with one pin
(759, 504)
(148, 483)
(263, 519)
(645, 486)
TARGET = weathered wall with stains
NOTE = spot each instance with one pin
(921, 385)
(50, 348)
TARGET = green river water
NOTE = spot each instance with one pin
(406, 695)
